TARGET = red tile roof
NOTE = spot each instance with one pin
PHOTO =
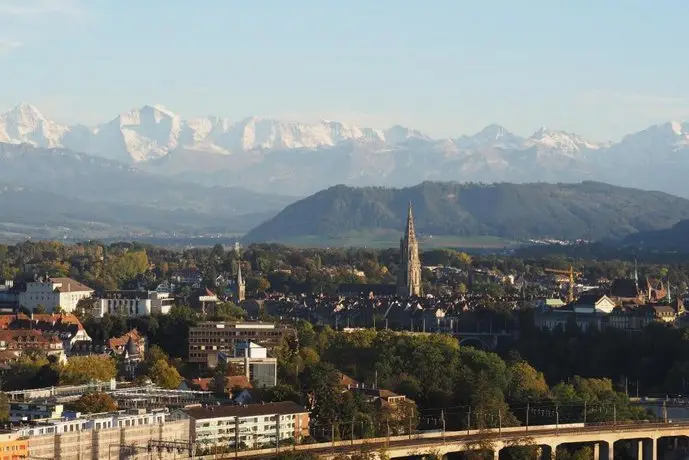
(117, 342)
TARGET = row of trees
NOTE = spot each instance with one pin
(451, 386)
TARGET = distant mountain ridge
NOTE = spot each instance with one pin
(297, 159)
(49, 193)
(588, 210)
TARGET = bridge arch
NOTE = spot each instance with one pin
(476, 342)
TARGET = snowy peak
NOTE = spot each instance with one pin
(561, 140)
(669, 135)
(491, 136)
(26, 124)
(398, 134)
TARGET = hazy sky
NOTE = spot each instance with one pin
(601, 68)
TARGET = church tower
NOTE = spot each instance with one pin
(409, 276)
(240, 289)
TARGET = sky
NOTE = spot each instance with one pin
(600, 68)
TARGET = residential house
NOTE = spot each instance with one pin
(66, 327)
(130, 345)
(188, 276)
(593, 303)
(21, 340)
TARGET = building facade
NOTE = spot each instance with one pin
(133, 303)
(208, 338)
(253, 362)
(246, 426)
(409, 276)
(13, 447)
(54, 292)
(122, 434)
(26, 412)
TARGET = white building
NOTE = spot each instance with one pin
(133, 303)
(247, 426)
(54, 292)
(251, 359)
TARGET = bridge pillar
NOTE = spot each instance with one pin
(603, 450)
(647, 450)
(547, 452)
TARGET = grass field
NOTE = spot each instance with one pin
(380, 239)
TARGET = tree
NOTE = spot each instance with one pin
(525, 382)
(4, 408)
(39, 309)
(305, 333)
(95, 402)
(164, 375)
(155, 354)
(228, 311)
(83, 369)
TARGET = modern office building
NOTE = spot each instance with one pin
(210, 337)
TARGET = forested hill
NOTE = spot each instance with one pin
(668, 239)
(587, 210)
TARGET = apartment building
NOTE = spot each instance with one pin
(246, 426)
(13, 447)
(133, 433)
(210, 337)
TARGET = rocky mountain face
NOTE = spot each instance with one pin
(295, 158)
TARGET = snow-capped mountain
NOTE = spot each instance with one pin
(25, 124)
(298, 158)
(151, 132)
(562, 141)
(492, 136)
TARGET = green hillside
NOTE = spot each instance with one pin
(588, 210)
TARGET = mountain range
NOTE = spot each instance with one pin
(587, 210)
(58, 193)
(292, 158)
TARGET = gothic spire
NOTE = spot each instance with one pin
(409, 276)
(409, 232)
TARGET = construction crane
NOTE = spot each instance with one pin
(572, 275)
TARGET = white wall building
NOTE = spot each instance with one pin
(251, 359)
(54, 292)
(133, 303)
(248, 426)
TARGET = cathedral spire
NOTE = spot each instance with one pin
(410, 233)
(240, 288)
(409, 276)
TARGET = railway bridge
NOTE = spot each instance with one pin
(645, 435)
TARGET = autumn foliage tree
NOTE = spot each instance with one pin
(95, 402)
(83, 369)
